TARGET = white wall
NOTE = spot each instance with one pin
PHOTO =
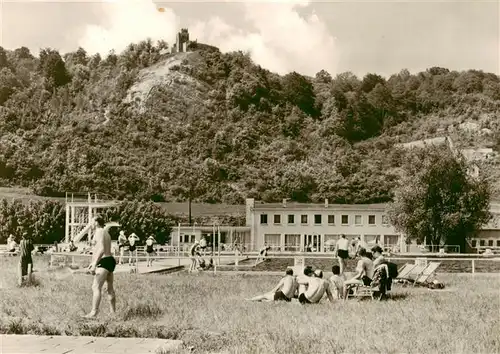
(351, 229)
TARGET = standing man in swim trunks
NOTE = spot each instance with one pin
(102, 266)
(342, 250)
(150, 250)
(132, 248)
(122, 242)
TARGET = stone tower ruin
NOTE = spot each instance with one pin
(182, 40)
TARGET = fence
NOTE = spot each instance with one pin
(254, 256)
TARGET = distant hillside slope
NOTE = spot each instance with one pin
(218, 128)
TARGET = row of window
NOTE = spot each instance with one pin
(318, 219)
(482, 243)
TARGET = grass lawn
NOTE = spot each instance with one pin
(209, 313)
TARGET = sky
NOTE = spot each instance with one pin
(296, 35)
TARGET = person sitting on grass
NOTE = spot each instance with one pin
(302, 280)
(337, 282)
(284, 291)
(364, 273)
(316, 288)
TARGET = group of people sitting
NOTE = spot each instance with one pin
(310, 287)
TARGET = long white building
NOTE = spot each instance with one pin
(316, 227)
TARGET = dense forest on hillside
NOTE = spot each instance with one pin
(219, 128)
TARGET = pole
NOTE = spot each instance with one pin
(179, 245)
(473, 266)
(136, 262)
(218, 242)
(213, 238)
(66, 229)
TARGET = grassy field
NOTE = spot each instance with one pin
(209, 313)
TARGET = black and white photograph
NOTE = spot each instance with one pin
(261, 177)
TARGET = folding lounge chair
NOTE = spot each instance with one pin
(405, 270)
(412, 275)
(378, 285)
(427, 274)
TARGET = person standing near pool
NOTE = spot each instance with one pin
(342, 251)
(150, 250)
(122, 243)
(102, 267)
(132, 248)
(25, 258)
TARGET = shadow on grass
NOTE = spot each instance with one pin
(34, 283)
(142, 311)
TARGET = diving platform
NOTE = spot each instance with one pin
(80, 210)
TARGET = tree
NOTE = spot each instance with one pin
(298, 90)
(143, 218)
(53, 68)
(437, 202)
(193, 181)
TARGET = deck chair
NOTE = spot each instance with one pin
(427, 274)
(378, 285)
(412, 274)
(403, 272)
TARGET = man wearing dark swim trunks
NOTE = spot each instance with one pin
(102, 266)
(342, 250)
(284, 291)
(132, 248)
(150, 250)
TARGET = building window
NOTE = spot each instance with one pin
(186, 238)
(357, 220)
(490, 243)
(317, 219)
(481, 243)
(193, 238)
(331, 219)
(263, 218)
(303, 219)
(345, 219)
(474, 243)
(385, 221)
(371, 219)
(277, 219)
(498, 243)
(291, 219)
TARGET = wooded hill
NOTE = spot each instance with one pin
(218, 127)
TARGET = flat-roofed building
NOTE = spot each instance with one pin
(317, 227)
